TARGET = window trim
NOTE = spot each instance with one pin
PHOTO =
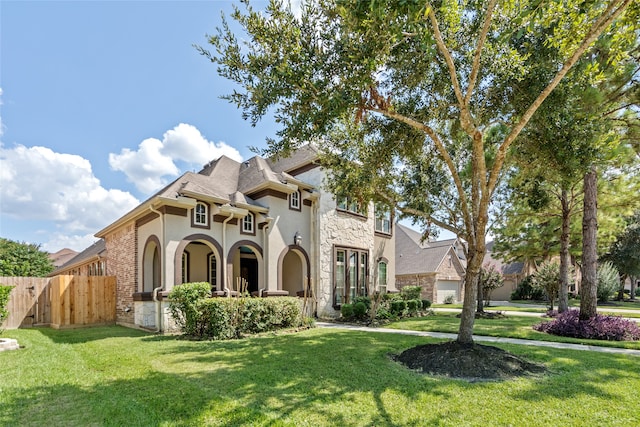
(194, 215)
(349, 206)
(361, 285)
(388, 216)
(386, 273)
(212, 273)
(243, 226)
(298, 199)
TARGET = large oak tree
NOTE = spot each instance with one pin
(407, 94)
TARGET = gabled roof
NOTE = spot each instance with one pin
(226, 181)
(95, 251)
(415, 257)
(511, 268)
(62, 256)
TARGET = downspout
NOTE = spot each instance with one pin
(227, 291)
(162, 273)
(265, 246)
(314, 274)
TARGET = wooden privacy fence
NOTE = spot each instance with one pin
(61, 301)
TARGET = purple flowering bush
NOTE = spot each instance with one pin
(600, 327)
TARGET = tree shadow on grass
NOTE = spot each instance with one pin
(321, 377)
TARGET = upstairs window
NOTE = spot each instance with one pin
(350, 205)
(383, 219)
(248, 224)
(200, 215)
(294, 201)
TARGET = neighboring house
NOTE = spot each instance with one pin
(436, 266)
(263, 225)
(512, 274)
(90, 262)
(62, 256)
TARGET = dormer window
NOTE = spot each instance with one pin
(294, 201)
(248, 224)
(200, 215)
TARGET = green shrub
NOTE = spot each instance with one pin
(219, 317)
(426, 304)
(184, 308)
(526, 291)
(608, 281)
(363, 299)
(398, 307)
(413, 305)
(227, 318)
(360, 309)
(411, 292)
(4, 300)
(448, 299)
(346, 310)
(383, 313)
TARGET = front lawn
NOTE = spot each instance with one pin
(511, 327)
(320, 377)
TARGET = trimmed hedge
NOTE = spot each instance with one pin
(600, 327)
(183, 306)
(229, 318)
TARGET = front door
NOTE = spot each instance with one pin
(249, 272)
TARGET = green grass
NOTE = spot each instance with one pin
(114, 376)
(510, 327)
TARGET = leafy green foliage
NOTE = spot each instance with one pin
(184, 308)
(230, 318)
(359, 310)
(608, 281)
(399, 95)
(526, 291)
(346, 310)
(490, 279)
(4, 300)
(23, 259)
(547, 279)
(625, 251)
(411, 292)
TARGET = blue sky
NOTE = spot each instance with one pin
(97, 95)
(102, 103)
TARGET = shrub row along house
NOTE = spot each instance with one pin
(265, 226)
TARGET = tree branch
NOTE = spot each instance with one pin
(476, 56)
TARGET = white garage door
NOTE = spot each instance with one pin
(444, 288)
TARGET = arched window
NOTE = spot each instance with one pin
(200, 214)
(248, 226)
(294, 201)
(382, 277)
(213, 271)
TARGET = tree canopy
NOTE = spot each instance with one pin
(21, 259)
(403, 97)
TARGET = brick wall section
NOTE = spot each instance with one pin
(122, 250)
(426, 281)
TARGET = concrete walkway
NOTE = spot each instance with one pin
(482, 338)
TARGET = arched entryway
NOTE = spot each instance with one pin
(199, 259)
(245, 264)
(151, 266)
(293, 271)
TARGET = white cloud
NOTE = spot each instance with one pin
(37, 183)
(154, 161)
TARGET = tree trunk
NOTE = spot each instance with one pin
(563, 293)
(634, 285)
(467, 317)
(588, 291)
(623, 278)
(480, 298)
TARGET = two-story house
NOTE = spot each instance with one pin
(265, 226)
